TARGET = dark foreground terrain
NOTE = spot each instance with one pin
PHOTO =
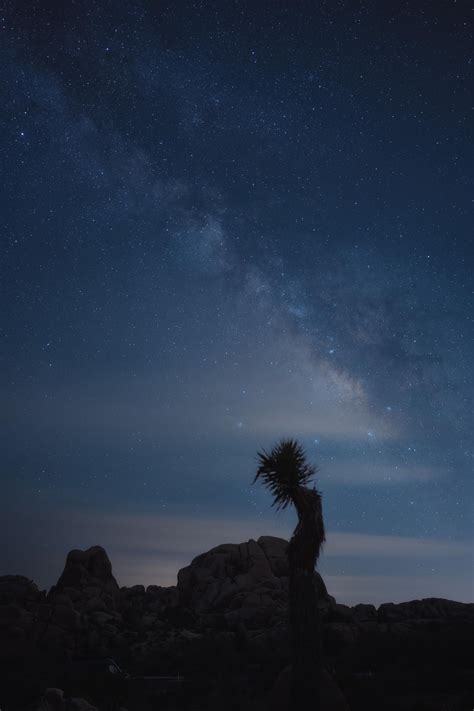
(218, 640)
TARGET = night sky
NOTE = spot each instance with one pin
(224, 222)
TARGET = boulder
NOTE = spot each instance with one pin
(10, 614)
(18, 589)
(66, 617)
(244, 583)
(214, 578)
(428, 608)
(338, 635)
(88, 572)
(53, 700)
(96, 604)
(16, 625)
(341, 613)
(53, 640)
(77, 704)
(363, 614)
(160, 597)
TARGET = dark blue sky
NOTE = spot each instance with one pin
(223, 223)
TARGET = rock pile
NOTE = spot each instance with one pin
(53, 700)
(227, 614)
(245, 583)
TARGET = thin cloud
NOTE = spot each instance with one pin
(162, 544)
(354, 473)
(369, 545)
(151, 549)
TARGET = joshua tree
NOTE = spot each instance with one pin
(287, 475)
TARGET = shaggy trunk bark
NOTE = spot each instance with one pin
(305, 637)
(305, 626)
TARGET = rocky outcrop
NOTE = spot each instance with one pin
(18, 590)
(429, 608)
(244, 583)
(227, 619)
(53, 700)
(88, 573)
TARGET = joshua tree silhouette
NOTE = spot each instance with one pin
(287, 474)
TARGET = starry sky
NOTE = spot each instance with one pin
(224, 222)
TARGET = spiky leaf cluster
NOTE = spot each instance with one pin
(284, 470)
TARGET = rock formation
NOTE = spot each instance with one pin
(225, 626)
(245, 583)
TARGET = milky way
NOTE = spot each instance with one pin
(224, 223)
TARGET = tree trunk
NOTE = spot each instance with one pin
(305, 635)
(304, 620)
